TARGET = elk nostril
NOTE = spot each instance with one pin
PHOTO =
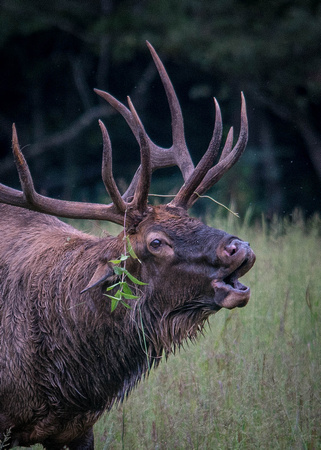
(234, 246)
(231, 249)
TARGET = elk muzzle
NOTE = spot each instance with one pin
(237, 258)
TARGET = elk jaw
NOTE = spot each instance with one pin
(229, 291)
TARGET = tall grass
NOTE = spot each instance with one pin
(254, 380)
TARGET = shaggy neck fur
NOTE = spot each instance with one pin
(73, 356)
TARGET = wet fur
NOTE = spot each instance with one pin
(64, 357)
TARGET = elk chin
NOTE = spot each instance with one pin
(230, 294)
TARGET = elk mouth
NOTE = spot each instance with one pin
(229, 291)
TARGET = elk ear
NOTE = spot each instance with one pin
(103, 272)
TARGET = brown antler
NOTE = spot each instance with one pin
(30, 199)
(132, 205)
(177, 154)
(204, 176)
(140, 197)
(115, 212)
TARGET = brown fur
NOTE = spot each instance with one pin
(65, 358)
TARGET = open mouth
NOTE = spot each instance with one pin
(229, 291)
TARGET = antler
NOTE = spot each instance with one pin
(197, 180)
(177, 154)
(205, 176)
(115, 212)
(30, 199)
(132, 206)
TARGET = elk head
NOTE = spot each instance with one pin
(190, 268)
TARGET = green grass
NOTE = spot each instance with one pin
(253, 381)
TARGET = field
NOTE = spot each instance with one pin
(253, 381)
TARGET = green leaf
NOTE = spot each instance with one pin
(131, 250)
(126, 288)
(124, 291)
(135, 280)
(112, 297)
(118, 261)
(114, 300)
(129, 296)
(126, 305)
(114, 304)
(119, 270)
(127, 292)
(116, 297)
(113, 286)
(115, 261)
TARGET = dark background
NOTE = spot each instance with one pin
(54, 53)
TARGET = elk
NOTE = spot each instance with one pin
(65, 356)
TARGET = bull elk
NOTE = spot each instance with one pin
(65, 356)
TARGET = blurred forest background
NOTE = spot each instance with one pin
(54, 53)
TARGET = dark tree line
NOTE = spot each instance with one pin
(54, 54)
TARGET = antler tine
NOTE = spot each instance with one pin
(25, 178)
(229, 157)
(9, 195)
(122, 109)
(107, 174)
(205, 163)
(179, 148)
(228, 144)
(160, 157)
(143, 185)
(28, 198)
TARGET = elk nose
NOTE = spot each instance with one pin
(235, 246)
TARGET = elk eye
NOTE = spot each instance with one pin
(156, 243)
